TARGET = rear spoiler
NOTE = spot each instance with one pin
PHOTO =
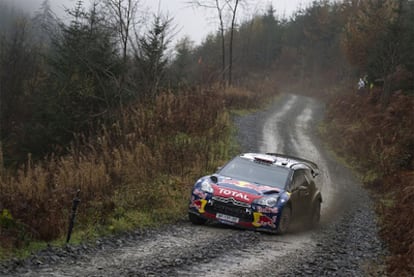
(313, 166)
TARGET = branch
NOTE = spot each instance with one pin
(198, 3)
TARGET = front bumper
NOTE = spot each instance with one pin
(237, 214)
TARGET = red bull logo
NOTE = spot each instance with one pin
(199, 204)
(260, 220)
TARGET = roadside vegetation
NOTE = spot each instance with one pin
(131, 130)
(106, 104)
(135, 173)
(372, 126)
(378, 142)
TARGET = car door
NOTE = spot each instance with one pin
(300, 193)
(308, 193)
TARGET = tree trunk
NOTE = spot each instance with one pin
(234, 10)
(386, 93)
(223, 45)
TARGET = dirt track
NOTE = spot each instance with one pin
(346, 244)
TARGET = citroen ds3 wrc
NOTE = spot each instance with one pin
(265, 192)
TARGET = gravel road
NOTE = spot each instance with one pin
(345, 244)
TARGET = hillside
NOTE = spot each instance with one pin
(379, 143)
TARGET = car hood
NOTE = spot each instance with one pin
(241, 190)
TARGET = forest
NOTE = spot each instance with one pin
(98, 102)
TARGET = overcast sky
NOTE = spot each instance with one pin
(196, 23)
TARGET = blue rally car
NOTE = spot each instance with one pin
(259, 191)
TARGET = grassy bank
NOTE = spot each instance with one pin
(378, 141)
(133, 174)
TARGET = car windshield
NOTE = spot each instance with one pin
(256, 172)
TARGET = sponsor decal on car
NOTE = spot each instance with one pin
(261, 220)
(199, 204)
(258, 188)
(267, 210)
(224, 192)
(200, 193)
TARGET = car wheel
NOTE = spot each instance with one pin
(284, 220)
(315, 216)
(195, 219)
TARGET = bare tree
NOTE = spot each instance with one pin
(233, 5)
(223, 7)
(123, 16)
(219, 6)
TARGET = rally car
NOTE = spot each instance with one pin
(265, 192)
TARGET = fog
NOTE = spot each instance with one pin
(58, 6)
(195, 23)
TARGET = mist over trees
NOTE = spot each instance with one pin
(58, 79)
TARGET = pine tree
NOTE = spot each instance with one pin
(151, 56)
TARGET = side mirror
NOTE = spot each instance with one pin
(214, 179)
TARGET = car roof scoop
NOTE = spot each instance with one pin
(270, 191)
(214, 179)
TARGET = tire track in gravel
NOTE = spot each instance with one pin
(285, 129)
(183, 249)
(272, 127)
(290, 127)
(155, 255)
(347, 243)
(291, 131)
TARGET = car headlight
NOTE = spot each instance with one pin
(267, 201)
(206, 187)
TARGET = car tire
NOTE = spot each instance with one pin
(284, 221)
(195, 219)
(315, 216)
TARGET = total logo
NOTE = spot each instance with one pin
(235, 194)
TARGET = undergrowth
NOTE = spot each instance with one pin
(378, 141)
(133, 174)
